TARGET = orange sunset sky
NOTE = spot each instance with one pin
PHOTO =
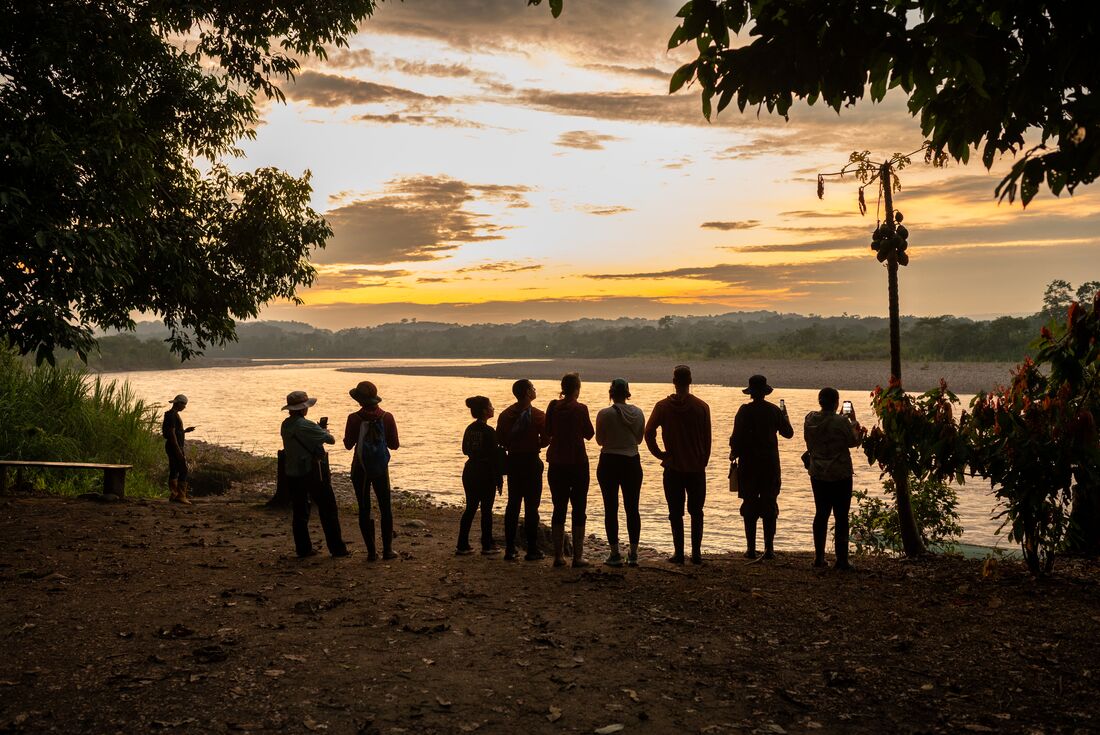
(480, 161)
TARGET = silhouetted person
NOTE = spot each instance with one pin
(569, 427)
(521, 430)
(482, 477)
(372, 433)
(306, 470)
(619, 430)
(829, 439)
(754, 445)
(684, 421)
(174, 434)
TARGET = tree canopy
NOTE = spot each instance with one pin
(115, 122)
(1002, 76)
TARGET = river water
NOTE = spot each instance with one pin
(240, 406)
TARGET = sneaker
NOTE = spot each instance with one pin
(750, 554)
(491, 550)
(676, 559)
(387, 555)
(534, 555)
(559, 562)
(464, 551)
(510, 555)
(343, 554)
(844, 566)
(820, 563)
(614, 560)
(697, 559)
(580, 564)
(769, 554)
(311, 552)
(632, 559)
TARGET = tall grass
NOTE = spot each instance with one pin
(65, 414)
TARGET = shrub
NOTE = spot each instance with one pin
(874, 524)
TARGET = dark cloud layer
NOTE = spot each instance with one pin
(415, 219)
(585, 140)
(747, 224)
(332, 90)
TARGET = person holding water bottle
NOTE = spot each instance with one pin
(755, 450)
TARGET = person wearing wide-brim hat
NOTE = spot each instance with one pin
(372, 434)
(755, 449)
(174, 433)
(307, 475)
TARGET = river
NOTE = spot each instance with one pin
(240, 407)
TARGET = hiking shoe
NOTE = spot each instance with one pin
(311, 552)
(464, 551)
(769, 554)
(580, 564)
(559, 562)
(632, 559)
(820, 563)
(510, 555)
(676, 559)
(343, 554)
(750, 554)
(387, 555)
(844, 566)
(534, 555)
(614, 560)
(697, 559)
(490, 550)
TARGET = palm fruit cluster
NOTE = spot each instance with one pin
(891, 238)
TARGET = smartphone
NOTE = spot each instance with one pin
(323, 421)
(782, 405)
(846, 408)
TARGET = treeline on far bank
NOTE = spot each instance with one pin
(739, 334)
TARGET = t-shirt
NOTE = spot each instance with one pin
(173, 424)
(522, 430)
(569, 427)
(685, 428)
(619, 429)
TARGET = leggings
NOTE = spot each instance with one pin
(832, 497)
(568, 485)
(619, 471)
(480, 486)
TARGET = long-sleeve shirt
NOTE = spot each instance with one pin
(684, 421)
(619, 429)
(355, 421)
(520, 433)
(569, 427)
(829, 439)
(754, 444)
(302, 441)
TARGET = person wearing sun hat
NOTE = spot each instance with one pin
(372, 434)
(755, 448)
(306, 464)
(619, 430)
(172, 430)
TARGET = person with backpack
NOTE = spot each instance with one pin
(307, 475)
(372, 433)
(830, 437)
(521, 430)
(619, 430)
(569, 427)
(482, 477)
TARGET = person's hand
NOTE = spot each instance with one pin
(189, 429)
(180, 456)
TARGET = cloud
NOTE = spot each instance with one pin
(501, 266)
(346, 278)
(649, 72)
(747, 224)
(350, 59)
(604, 211)
(398, 118)
(415, 219)
(331, 90)
(813, 213)
(585, 140)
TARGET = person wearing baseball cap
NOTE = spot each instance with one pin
(307, 475)
(172, 430)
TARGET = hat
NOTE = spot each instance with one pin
(298, 400)
(758, 385)
(366, 394)
(620, 387)
(681, 375)
(180, 398)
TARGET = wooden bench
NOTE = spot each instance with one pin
(114, 475)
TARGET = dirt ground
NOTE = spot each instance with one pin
(962, 377)
(141, 616)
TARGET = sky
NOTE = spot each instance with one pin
(480, 161)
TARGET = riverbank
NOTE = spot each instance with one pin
(848, 375)
(142, 615)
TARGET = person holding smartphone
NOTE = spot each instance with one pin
(174, 440)
(829, 439)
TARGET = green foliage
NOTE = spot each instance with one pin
(1034, 439)
(874, 524)
(114, 120)
(980, 73)
(64, 414)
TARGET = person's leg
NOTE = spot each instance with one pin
(511, 510)
(578, 497)
(385, 513)
(607, 476)
(182, 479)
(488, 492)
(674, 498)
(696, 486)
(632, 492)
(532, 497)
(325, 500)
(361, 486)
(769, 522)
(299, 524)
(842, 504)
(467, 519)
(749, 517)
(822, 507)
(558, 479)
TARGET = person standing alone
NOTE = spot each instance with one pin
(521, 430)
(754, 446)
(372, 433)
(684, 421)
(174, 433)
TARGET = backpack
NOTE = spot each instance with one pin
(371, 449)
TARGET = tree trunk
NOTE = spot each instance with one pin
(281, 498)
(910, 535)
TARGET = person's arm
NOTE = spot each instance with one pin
(504, 429)
(169, 429)
(785, 429)
(736, 434)
(707, 435)
(586, 429)
(389, 425)
(855, 436)
(539, 421)
(466, 443)
(601, 428)
(806, 432)
(351, 431)
(637, 426)
(313, 436)
(650, 434)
